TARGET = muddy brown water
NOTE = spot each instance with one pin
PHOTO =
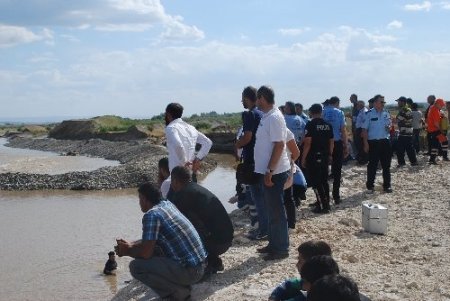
(54, 244)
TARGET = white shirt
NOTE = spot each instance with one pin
(181, 139)
(165, 186)
(239, 134)
(272, 128)
(289, 136)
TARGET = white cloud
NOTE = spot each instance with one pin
(176, 30)
(142, 81)
(14, 35)
(445, 5)
(395, 25)
(425, 6)
(124, 27)
(293, 31)
(102, 15)
(69, 38)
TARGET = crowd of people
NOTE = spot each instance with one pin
(185, 227)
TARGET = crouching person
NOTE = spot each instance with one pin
(170, 257)
(206, 213)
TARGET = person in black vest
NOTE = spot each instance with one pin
(205, 211)
(318, 147)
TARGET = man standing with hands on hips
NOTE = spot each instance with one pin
(376, 143)
(272, 164)
(181, 140)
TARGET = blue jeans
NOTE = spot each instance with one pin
(278, 225)
(257, 196)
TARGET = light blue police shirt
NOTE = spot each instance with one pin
(360, 118)
(304, 117)
(377, 124)
(336, 118)
(296, 125)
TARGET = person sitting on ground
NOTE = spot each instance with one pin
(335, 288)
(170, 257)
(164, 176)
(292, 287)
(206, 213)
(111, 264)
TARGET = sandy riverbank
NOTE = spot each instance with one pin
(410, 262)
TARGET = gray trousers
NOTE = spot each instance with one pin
(166, 277)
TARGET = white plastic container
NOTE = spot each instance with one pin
(374, 218)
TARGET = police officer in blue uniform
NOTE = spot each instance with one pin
(376, 142)
(336, 118)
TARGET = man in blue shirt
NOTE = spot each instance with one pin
(170, 257)
(294, 123)
(376, 142)
(299, 112)
(336, 118)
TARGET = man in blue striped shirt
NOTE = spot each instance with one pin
(170, 257)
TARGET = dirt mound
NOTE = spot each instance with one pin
(74, 130)
(88, 129)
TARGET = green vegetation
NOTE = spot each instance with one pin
(206, 122)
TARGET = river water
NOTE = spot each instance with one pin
(54, 244)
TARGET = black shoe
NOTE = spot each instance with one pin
(258, 236)
(388, 190)
(275, 256)
(337, 201)
(432, 162)
(207, 274)
(317, 209)
(220, 267)
(303, 196)
(414, 164)
(264, 250)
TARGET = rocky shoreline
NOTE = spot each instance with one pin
(409, 263)
(138, 158)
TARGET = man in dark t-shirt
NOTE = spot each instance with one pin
(318, 147)
(250, 123)
(205, 211)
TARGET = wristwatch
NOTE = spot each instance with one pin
(268, 170)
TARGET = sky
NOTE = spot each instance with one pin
(131, 58)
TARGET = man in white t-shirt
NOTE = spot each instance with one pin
(272, 163)
(182, 138)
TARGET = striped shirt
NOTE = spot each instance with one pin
(174, 234)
